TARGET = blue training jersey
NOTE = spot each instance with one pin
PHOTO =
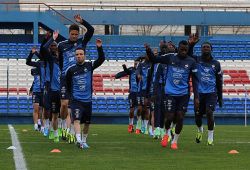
(143, 70)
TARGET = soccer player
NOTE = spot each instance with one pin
(180, 68)
(143, 104)
(155, 90)
(38, 85)
(209, 88)
(132, 91)
(79, 85)
(67, 58)
(51, 53)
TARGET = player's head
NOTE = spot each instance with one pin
(183, 48)
(206, 48)
(155, 51)
(163, 48)
(136, 62)
(53, 47)
(80, 56)
(171, 47)
(73, 32)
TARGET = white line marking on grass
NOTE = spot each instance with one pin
(20, 163)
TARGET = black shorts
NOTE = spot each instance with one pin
(175, 104)
(47, 100)
(55, 101)
(37, 97)
(81, 111)
(207, 101)
(132, 99)
(141, 97)
(63, 87)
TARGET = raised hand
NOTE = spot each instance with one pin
(78, 18)
(33, 50)
(193, 38)
(98, 42)
(55, 34)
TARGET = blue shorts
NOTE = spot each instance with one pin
(207, 101)
(63, 88)
(132, 99)
(81, 111)
(37, 97)
(175, 104)
(55, 101)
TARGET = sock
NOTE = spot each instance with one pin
(176, 136)
(84, 138)
(56, 133)
(59, 123)
(35, 126)
(72, 130)
(46, 124)
(146, 124)
(131, 121)
(169, 132)
(39, 121)
(200, 129)
(210, 135)
(64, 124)
(68, 130)
(50, 124)
(78, 138)
(138, 124)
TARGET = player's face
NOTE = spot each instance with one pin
(206, 49)
(80, 56)
(171, 48)
(183, 50)
(53, 47)
(73, 35)
(155, 51)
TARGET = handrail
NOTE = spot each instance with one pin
(200, 6)
(49, 7)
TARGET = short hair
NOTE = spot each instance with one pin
(208, 43)
(74, 27)
(79, 48)
(183, 42)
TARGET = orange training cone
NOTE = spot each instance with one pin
(233, 152)
(55, 151)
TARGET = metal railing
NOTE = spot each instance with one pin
(155, 6)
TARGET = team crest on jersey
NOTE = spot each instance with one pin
(186, 66)
(75, 44)
(213, 66)
(85, 70)
(206, 70)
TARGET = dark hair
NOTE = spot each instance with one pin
(79, 48)
(183, 42)
(74, 27)
(206, 42)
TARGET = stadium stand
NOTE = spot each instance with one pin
(110, 96)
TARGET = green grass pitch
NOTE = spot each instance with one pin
(113, 148)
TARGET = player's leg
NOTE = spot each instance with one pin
(181, 109)
(198, 118)
(139, 114)
(210, 107)
(169, 116)
(86, 119)
(35, 100)
(55, 109)
(132, 101)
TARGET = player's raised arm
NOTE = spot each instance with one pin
(101, 55)
(90, 30)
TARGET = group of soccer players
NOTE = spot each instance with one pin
(63, 84)
(159, 87)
